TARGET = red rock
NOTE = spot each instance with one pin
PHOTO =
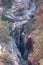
(1, 63)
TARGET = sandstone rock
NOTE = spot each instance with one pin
(1, 63)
